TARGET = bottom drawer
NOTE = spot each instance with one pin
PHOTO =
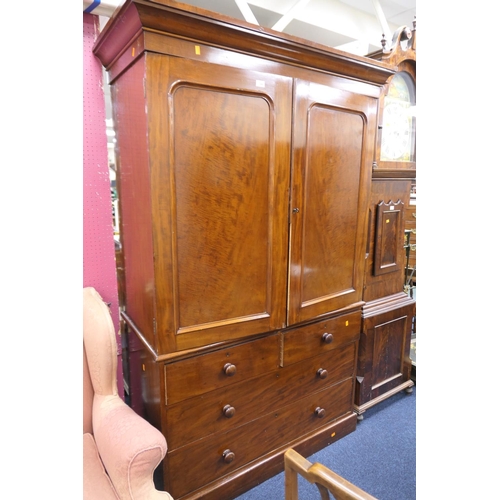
(205, 460)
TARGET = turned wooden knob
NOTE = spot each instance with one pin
(320, 412)
(229, 369)
(327, 338)
(322, 373)
(228, 456)
(228, 411)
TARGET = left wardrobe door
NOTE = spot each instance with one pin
(219, 140)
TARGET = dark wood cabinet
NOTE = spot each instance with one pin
(244, 161)
(384, 363)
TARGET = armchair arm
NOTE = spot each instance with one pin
(130, 448)
(324, 479)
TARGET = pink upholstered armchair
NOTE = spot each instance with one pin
(121, 450)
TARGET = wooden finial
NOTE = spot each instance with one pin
(414, 33)
(383, 41)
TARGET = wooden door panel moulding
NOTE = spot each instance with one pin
(386, 304)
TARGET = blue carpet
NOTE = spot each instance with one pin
(379, 456)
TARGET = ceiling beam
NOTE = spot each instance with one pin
(381, 19)
(290, 15)
(246, 11)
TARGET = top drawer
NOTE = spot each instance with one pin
(310, 340)
(207, 372)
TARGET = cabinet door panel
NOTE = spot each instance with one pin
(388, 350)
(384, 353)
(389, 238)
(227, 177)
(333, 149)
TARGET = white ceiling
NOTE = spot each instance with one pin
(355, 26)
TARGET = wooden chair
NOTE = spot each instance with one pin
(324, 479)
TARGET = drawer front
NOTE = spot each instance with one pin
(205, 460)
(311, 340)
(240, 403)
(207, 372)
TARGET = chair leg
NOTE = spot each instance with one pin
(291, 483)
